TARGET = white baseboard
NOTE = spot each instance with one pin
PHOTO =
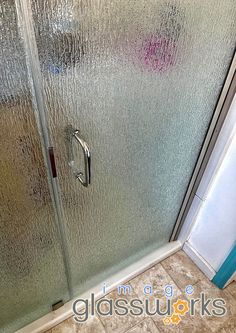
(55, 317)
(199, 261)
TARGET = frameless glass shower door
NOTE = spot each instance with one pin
(139, 80)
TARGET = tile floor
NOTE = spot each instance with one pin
(178, 271)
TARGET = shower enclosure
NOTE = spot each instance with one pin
(104, 106)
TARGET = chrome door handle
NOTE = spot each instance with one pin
(83, 177)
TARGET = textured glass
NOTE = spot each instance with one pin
(32, 274)
(140, 80)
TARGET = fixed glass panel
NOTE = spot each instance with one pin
(32, 274)
(140, 80)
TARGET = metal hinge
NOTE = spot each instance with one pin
(57, 305)
(52, 162)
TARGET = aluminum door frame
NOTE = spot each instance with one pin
(221, 110)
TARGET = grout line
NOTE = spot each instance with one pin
(101, 323)
(159, 330)
(136, 324)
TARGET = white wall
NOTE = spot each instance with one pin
(213, 234)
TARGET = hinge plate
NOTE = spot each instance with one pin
(52, 162)
(57, 305)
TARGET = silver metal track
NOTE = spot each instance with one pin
(221, 110)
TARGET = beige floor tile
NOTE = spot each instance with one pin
(231, 288)
(92, 325)
(182, 270)
(214, 323)
(186, 324)
(229, 327)
(146, 326)
(116, 323)
(158, 278)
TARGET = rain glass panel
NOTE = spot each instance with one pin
(32, 275)
(140, 80)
